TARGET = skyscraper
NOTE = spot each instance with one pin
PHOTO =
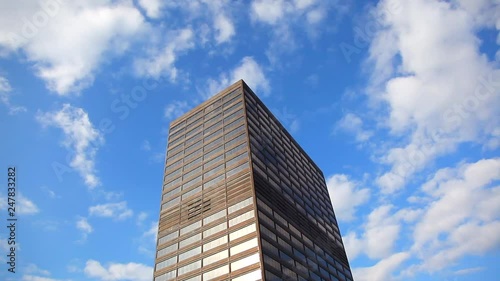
(242, 200)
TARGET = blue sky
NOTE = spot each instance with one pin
(397, 101)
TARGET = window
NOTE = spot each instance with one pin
(237, 159)
(171, 193)
(170, 203)
(190, 240)
(214, 217)
(241, 218)
(213, 171)
(213, 181)
(216, 257)
(235, 132)
(191, 173)
(240, 205)
(252, 276)
(196, 278)
(195, 133)
(215, 243)
(195, 138)
(228, 119)
(190, 227)
(215, 229)
(214, 152)
(235, 140)
(191, 183)
(166, 263)
(172, 175)
(193, 155)
(236, 150)
(213, 128)
(216, 272)
(189, 254)
(267, 233)
(231, 108)
(211, 136)
(190, 267)
(245, 262)
(213, 161)
(167, 250)
(213, 143)
(243, 246)
(174, 150)
(192, 164)
(166, 276)
(234, 124)
(269, 248)
(168, 237)
(242, 232)
(191, 192)
(274, 264)
(193, 147)
(230, 96)
(236, 170)
(172, 183)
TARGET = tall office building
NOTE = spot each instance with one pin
(242, 201)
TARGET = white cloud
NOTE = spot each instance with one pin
(34, 269)
(152, 232)
(176, 109)
(118, 211)
(159, 61)
(419, 77)
(152, 7)
(284, 18)
(463, 217)
(224, 29)
(346, 196)
(353, 124)
(80, 137)
(26, 206)
(382, 271)
(67, 40)
(470, 270)
(248, 70)
(147, 241)
(268, 11)
(380, 232)
(5, 92)
(118, 271)
(83, 225)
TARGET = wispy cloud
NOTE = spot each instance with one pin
(5, 95)
(346, 196)
(81, 138)
(248, 70)
(117, 211)
(118, 271)
(175, 109)
(59, 48)
(84, 226)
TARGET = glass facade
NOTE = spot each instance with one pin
(242, 201)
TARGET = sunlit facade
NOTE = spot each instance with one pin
(242, 201)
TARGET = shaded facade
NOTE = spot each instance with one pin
(242, 201)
